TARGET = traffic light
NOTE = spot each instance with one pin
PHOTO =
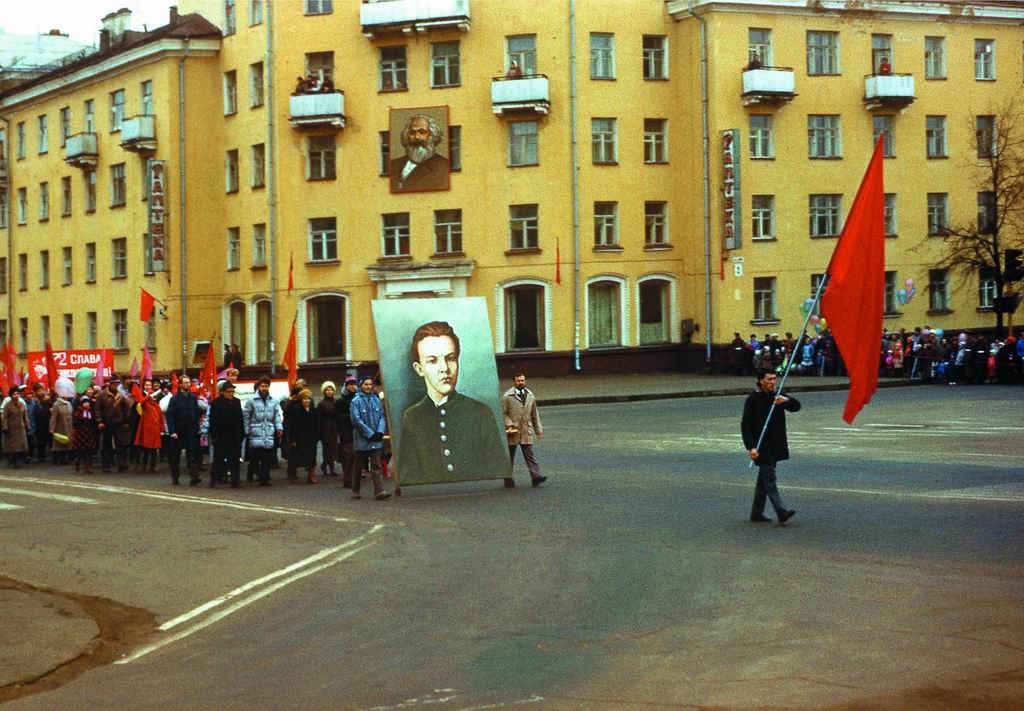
(1013, 270)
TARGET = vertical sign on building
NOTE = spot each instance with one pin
(157, 242)
(731, 188)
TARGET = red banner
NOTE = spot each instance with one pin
(68, 362)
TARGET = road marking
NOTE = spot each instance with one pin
(43, 495)
(945, 496)
(170, 624)
(244, 602)
(9, 507)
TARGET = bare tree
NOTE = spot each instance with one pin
(978, 248)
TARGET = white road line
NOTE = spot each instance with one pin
(217, 616)
(43, 495)
(951, 496)
(9, 507)
(170, 624)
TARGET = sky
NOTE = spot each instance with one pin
(78, 18)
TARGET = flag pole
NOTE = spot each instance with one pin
(792, 357)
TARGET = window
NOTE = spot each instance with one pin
(66, 271)
(44, 134)
(824, 136)
(22, 272)
(985, 59)
(117, 185)
(393, 68)
(815, 285)
(454, 147)
(655, 56)
(602, 55)
(319, 7)
(764, 299)
(3, 209)
(524, 318)
(234, 248)
(44, 269)
(938, 213)
(604, 318)
(988, 290)
(762, 136)
(985, 132)
(3, 331)
(236, 326)
(255, 12)
(395, 234)
(522, 50)
(935, 135)
(69, 331)
(44, 202)
(881, 51)
(230, 19)
(90, 190)
(320, 65)
(524, 227)
(655, 310)
(882, 126)
(889, 303)
(263, 331)
(891, 225)
(230, 92)
(116, 110)
(987, 217)
(606, 224)
(90, 116)
(448, 231)
(320, 158)
(231, 171)
(325, 327)
(323, 239)
(762, 213)
(23, 335)
(259, 245)
(444, 64)
(3, 278)
(119, 258)
(259, 169)
(938, 290)
(822, 53)
(146, 103)
(44, 331)
(90, 262)
(119, 319)
(65, 195)
(385, 152)
(22, 205)
(655, 223)
(759, 45)
(65, 125)
(934, 57)
(256, 84)
(655, 141)
(824, 213)
(90, 329)
(522, 143)
(20, 150)
(602, 136)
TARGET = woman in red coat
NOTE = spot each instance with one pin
(147, 437)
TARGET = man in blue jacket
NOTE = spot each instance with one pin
(368, 428)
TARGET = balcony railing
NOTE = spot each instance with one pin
(411, 16)
(80, 150)
(317, 110)
(768, 85)
(138, 133)
(528, 93)
(888, 90)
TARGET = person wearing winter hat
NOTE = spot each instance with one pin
(227, 430)
(345, 429)
(328, 416)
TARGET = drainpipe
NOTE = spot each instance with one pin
(271, 184)
(181, 209)
(707, 183)
(575, 190)
(10, 227)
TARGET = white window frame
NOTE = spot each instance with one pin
(606, 225)
(67, 266)
(231, 171)
(828, 211)
(448, 231)
(44, 201)
(889, 142)
(891, 215)
(985, 59)
(258, 152)
(91, 329)
(500, 329)
(824, 136)
(317, 7)
(234, 251)
(256, 85)
(604, 141)
(760, 47)
(394, 234)
(655, 59)
(66, 198)
(936, 145)
(259, 244)
(525, 56)
(393, 69)
(656, 223)
(146, 100)
(523, 145)
(445, 66)
(527, 225)
(625, 327)
(118, 184)
(936, 294)
(230, 82)
(774, 291)
(987, 290)
(320, 240)
(656, 142)
(938, 213)
(934, 57)
(116, 110)
(44, 134)
(90, 262)
(602, 58)
(302, 324)
(119, 258)
(762, 219)
(322, 162)
(762, 137)
(673, 314)
(823, 55)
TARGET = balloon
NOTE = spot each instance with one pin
(939, 333)
(821, 322)
(83, 379)
(804, 309)
(65, 388)
(909, 283)
(901, 296)
(817, 328)
(910, 294)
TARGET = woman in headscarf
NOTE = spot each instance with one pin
(16, 426)
(85, 438)
(302, 433)
(328, 428)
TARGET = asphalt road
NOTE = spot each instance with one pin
(630, 580)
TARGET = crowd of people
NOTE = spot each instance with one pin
(313, 84)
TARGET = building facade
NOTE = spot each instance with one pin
(567, 182)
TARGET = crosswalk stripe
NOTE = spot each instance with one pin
(46, 495)
(9, 507)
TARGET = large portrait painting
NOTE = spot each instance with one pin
(441, 387)
(419, 149)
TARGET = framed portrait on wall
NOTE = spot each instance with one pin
(419, 149)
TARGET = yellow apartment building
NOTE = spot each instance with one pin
(578, 181)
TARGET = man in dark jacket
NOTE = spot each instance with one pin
(183, 431)
(112, 412)
(227, 430)
(773, 448)
(343, 410)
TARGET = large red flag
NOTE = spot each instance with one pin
(208, 376)
(10, 361)
(146, 304)
(147, 362)
(853, 302)
(558, 263)
(51, 367)
(289, 357)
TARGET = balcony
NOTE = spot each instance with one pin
(527, 94)
(317, 110)
(80, 150)
(138, 134)
(888, 91)
(413, 16)
(768, 85)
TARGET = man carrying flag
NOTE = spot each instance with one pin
(762, 406)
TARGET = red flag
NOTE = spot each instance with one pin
(291, 272)
(10, 362)
(100, 379)
(147, 362)
(174, 382)
(134, 371)
(51, 367)
(146, 304)
(854, 296)
(208, 376)
(289, 357)
(558, 263)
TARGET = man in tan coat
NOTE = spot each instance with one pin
(522, 423)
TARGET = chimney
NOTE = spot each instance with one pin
(174, 14)
(117, 23)
(104, 40)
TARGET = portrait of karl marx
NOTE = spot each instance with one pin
(446, 436)
(422, 167)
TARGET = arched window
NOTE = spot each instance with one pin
(655, 311)
(236, 334)
(263, 331)
(524, 318)
(325, 328)
(604, 313)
